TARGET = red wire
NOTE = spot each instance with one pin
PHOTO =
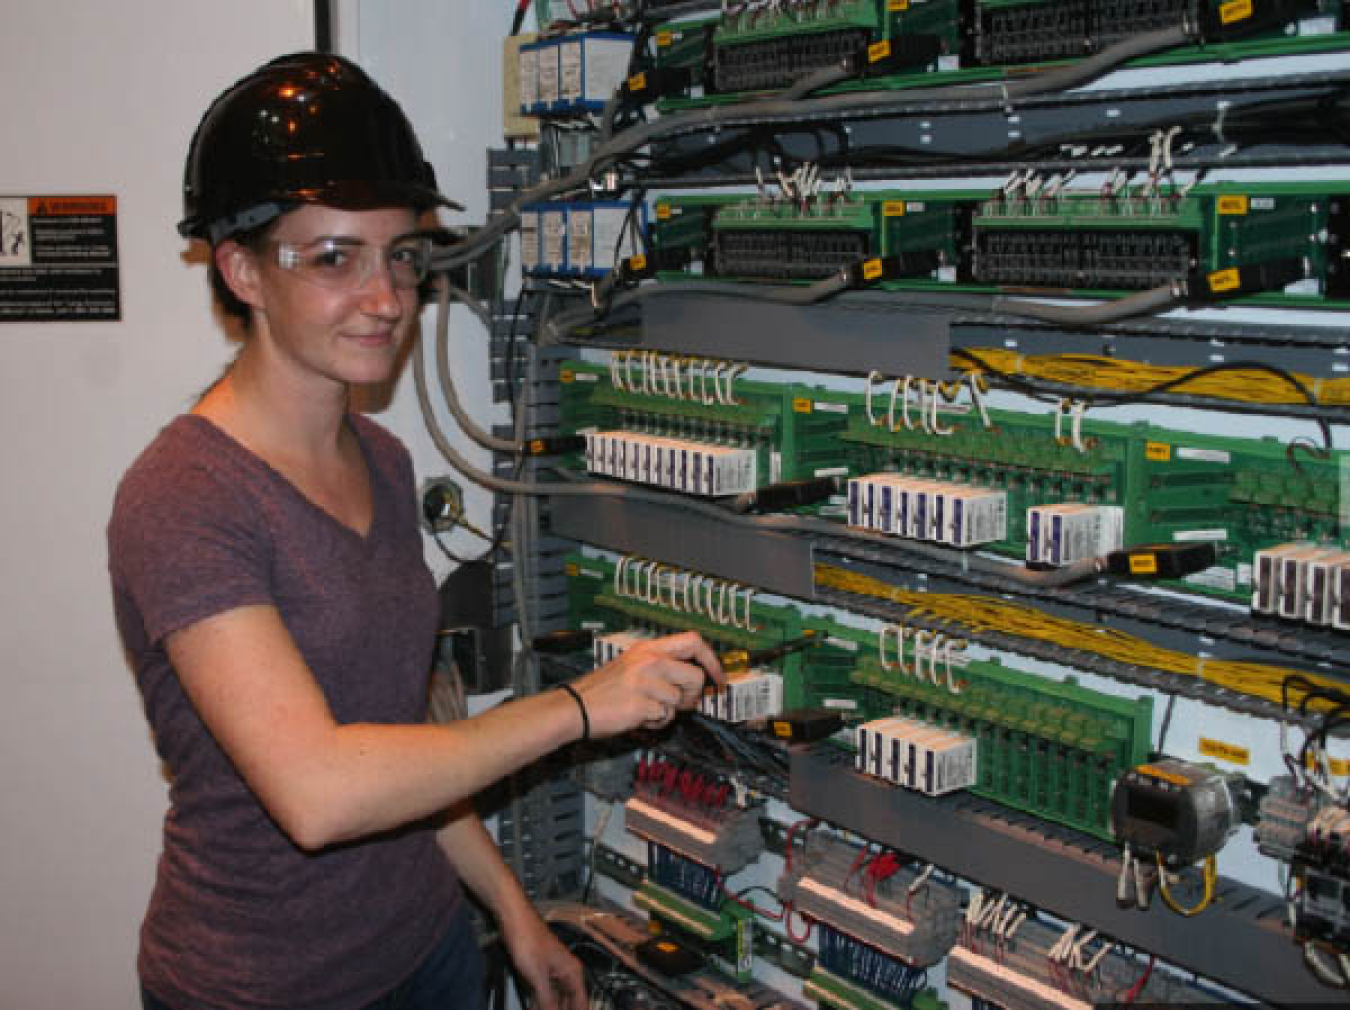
(789, 911)
(1138, 986)
(750, 906)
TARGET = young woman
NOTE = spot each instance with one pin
(269, 586)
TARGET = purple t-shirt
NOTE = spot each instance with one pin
(240, 917)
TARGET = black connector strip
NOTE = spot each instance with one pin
(1161, 561)
(555, 445)
(888, 268)
(896, 54)
(1237, 18)
(1249, 279)
(657, 82)
(789, 494)
(558, 643)
(804, 725)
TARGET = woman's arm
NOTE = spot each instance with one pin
(552, 973)
(324, 782)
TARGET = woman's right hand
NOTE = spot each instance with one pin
(648, 684)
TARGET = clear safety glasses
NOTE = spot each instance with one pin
(346, 264)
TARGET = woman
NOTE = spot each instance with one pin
(269, 585)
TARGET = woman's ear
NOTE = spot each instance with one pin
(239, 269)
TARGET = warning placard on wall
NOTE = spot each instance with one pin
(58, 259)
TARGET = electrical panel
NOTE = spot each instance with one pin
(1050, 630)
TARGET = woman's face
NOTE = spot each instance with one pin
(327, 303)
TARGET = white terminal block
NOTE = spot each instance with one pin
(609, 647)
(1066, 533)
(1266, 573)
(1327, 589)
(922, 509)
(913, 754)
(1292, 596)
(553, 239)
(975, 516)
(754, 694)
(529, 241)
(690, 467)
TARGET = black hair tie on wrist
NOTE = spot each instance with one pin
(581, 706)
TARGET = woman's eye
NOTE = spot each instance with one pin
(330, 259)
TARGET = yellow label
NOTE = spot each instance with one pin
(782, 730)
(1225, 280)
(1338, 766)
(897, 5)
(1158, 452)
(1235, 205)
(638, 82)
(893, 208)
(878, 51)
(572, 569)
(872, 270)
(638, 262)
(801, 405)
(567, 375)
(1235, 10)
(665, 38)
(663, 212)
(1229, 752)
(537, 447)
(1153, 771)
(1143, 564)
(666, 947)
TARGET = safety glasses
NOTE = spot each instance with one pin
(347, 264)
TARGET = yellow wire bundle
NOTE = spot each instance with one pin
(1090, 371)
(984, 613)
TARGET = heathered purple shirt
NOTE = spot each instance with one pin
(240, 917)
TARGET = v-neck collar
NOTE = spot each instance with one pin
(276, 475)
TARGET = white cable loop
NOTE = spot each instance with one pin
(737, 370)
(614, 379)
(904, 404)
(750, 594)
(1079, 409)
(923, 406)
(881, 645)
(867, 396)
(936, 425)
(619, 567)
(952, 645)
(977, 398)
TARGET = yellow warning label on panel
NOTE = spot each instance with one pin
(638, 262)
(567, 375)
(897, 5)
(664, 38)
(872, 270)
(1225, 280)
(893, 208)
(663, 212)
(572, 569)
(802, 405)
(1235, 10)
(1158, 452)
(1236, 205)
(782, 730)
(1229, 752)
(638, 82)
(1338, 766)
(1143, 564)
(878, 51)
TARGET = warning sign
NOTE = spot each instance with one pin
(58, 259)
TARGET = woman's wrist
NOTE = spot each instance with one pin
(585, 716)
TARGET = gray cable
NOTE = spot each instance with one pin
(1141, 303)
(443, 371)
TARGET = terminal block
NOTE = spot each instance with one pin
(764, 45)
(694, 816)
(916, 755)
(1011, 960)
(1054, 749)
(898, 909)
(1269, 243)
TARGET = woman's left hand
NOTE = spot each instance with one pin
(553, 975)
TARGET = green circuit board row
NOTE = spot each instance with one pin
(1051, 748)
(1253, 243)
(1241, 494)
(759, 47)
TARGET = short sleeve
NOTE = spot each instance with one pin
(184, 544)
